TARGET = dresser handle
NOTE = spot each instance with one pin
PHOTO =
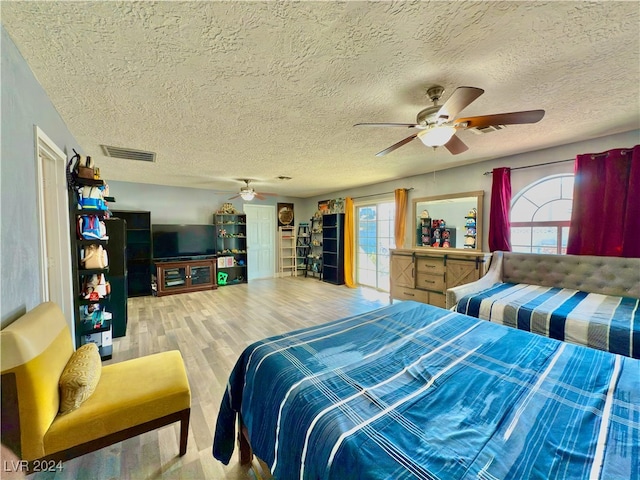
(429, 281)
(409, 294)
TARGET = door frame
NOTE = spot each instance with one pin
(54, 230)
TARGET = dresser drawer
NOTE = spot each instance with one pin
(430, 282)
(430, 265)
(403, 293)
(437, 300)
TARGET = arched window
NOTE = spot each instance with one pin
(541, 215)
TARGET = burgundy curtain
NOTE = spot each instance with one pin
(605, 219)
(499, 224)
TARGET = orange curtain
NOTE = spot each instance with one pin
(349, 243)
(401, 216)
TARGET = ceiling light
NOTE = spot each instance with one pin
(247, 195)
(437, 136)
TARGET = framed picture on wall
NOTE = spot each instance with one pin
(285, 215)
(323, 206)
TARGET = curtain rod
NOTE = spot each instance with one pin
(537, 165)
(381, 193)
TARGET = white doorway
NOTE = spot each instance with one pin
(54, 229)
(374, 241)
(261, 228)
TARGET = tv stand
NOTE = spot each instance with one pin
(183, 276)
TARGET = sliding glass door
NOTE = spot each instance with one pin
(374, 242)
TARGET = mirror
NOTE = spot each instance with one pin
(448, 221)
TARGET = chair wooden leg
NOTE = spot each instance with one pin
(184, 431)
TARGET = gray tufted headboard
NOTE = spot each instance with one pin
(605, 275)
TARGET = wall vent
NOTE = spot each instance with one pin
(128, 153)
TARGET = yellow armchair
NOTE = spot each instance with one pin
(132, 397)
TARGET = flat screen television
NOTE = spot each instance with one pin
(172, 241)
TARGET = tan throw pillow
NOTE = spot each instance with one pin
(80, 377)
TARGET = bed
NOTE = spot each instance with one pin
(414, 391)
(582, 299)
(605, 322)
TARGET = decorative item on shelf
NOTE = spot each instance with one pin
(94, 256)
(90, 227)
(85, 167)
(336, 205)
(424, 214)
(95, 287)
(92, 317)
(222, 278)
(91, 198)
(227, 209)
(323, 207)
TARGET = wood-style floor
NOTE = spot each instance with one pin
(211, 329)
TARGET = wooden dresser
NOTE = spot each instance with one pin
(425, 274)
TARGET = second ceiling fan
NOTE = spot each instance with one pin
(248, 193)
(438, 125)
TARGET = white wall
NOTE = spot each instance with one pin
(177, 204)
(24, 104)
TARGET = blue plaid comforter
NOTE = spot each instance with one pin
(599, 321)
(413, 391)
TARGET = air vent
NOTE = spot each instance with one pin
(128, 153)
(487, 129)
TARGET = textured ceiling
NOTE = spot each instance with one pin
(229, 90)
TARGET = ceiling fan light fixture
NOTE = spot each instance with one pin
(247, 195)
(437, 136)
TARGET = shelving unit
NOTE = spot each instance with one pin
(231, 248)
(303, 247)
(434, 233)
(288, 257)
(139, 252)
(333, 248)
(116, 301)
(470, 229)
(85, 303)
(314, 260)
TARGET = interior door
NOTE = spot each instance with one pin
(261, 232)
(54, 232)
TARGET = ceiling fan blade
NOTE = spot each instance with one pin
(235, 196)
(396, 145)
(456, 146)
(405, 125)
(512, 118)
(459, 100)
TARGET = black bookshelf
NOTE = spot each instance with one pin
(333, 248)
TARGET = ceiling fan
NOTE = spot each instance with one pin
(438, 127)
(248, 193)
